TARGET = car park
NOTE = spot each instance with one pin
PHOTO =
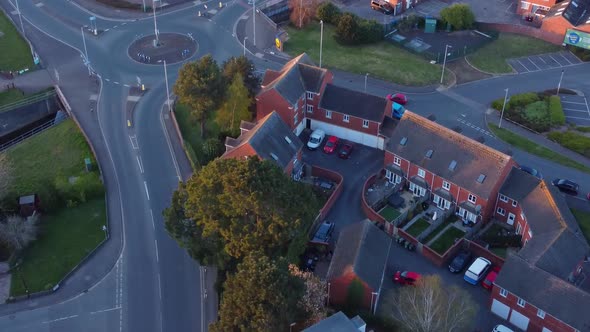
(324, 233)
(399, 98)
(345, 150)
(477, 270)
(566, 186)
(331, 144)
(316, 139)
(531, 171)
(488, 282)
(460, 261)
(406, 277)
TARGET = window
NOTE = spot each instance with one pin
(514, 203)
(421, 173)
(472, 198)
(295, 119)
(518, 228)
(365, 123)
(503, 198)
(541, 313)
(329, 114)
(501, 211)
(521, 302)
(397, 161)
(524, 5)
(446, 185)
(503, 292)
(346, 118)
(309, 95)
(309, 108)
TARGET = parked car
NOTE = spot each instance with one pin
(501, 328)
(567, 186)
(316, 139)
(406, 277)
(345, 150)
(331, 144)
(488, 282)
(477, 270)
(324, 232)
(531, 171)
(588, 196)
(460, 261)
(382, 6)
(399, 98)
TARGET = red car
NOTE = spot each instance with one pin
(488, 282)
(399, 98)
(406, 277)
(331, 144)
(345, 150)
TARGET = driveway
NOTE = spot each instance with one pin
(576, 109)
(541, 62)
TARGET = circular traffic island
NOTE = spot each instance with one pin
(169, 47)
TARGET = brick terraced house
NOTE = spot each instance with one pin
(572, 14)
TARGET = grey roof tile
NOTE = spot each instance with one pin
(354, 103)
(338, 322)
(518, 184)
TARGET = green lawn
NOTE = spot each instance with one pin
(500, 252)
(66, 238)
(389, 213)
(10, 96)
(191, 130)
(446, 240)
(583, 219)
(437, 230)
(15, 54)
(492, 57)
(383, 60)
(418, 227)
(533, 148)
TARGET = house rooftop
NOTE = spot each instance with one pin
(338, 322)
(518, 184)
(353, 103)
(454, 157)
(575, 12)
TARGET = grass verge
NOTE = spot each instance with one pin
(16, 54)
(583, 219)
(418, 227)
(383, 59)
(66, 238)
(536, 149)
(492, 57)
(191, 132)
(446, 240)
(389, 213)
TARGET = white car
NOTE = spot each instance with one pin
(501, 328)
(316, 139)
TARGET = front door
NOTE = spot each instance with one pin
(510, 220)
(408, 4)
(308, 123)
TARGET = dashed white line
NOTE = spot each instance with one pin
(105, 30)
(146, 190)
(157, 256)
(159, 287)
(106, 79)
(134, 143)
(116, 82)
(105, 310)
(127, 85)
(60, 319)
(139, 163)
(153, 223)
(115, 26)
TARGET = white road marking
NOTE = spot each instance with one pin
(159, 287)
(575, 117)
(587, 107)
(134, 143)
(146, 190)
(139, 163)
(60, 319)
(105, 30)
(566, 59)
(153, 223)
(558, 63)
(534, 64)
(127, 85)
(115, 26)
(124, 23)
(133, 98)
(14, 12)
(40, 4)
(573, 110)
(545, 62)
(105, 310)
(106, 79)
(174, 161)
(94, 97)
(116, 82)
(523, 65)
(157, 256)
(572, 102)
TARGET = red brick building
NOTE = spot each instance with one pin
(572, 14)
(456, 172)
(269, 139)
(538, 8)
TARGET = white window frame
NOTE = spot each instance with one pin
(520, 302)
(446, 186)
(397, 161)
(389, 175)
(518, 228)
(514, 203)
(524, 5)
(503, 198)
(295, 118)
(365, 123)
(328, 114)
(346, 118)
(472, 198)
(309, 108)
(501, 211)
(309, 95)
(503, 292)
(421, 173)
(540, 313)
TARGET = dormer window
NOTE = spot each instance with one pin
(452, 165)
(309, 95)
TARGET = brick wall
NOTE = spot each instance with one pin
(369, 212)
(547, 36)
(334, 177)
(480, 251)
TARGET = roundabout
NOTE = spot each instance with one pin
(169, 47)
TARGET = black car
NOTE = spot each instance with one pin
(345, 150)
(531, 171)
(460, 261)
(567, 186)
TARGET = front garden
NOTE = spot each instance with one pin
(446, 240)
(418, 227)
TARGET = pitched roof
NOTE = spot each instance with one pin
(355, 103)
(518, 184)
(295, 78)
(338, 322)
(455, 157)
(271, 139)
(575, 12)
(362, 249)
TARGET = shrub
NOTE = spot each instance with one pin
(370, 31)
(522, 99)
(502, 241)
(347, 29)
(498, 103)
(408, 23)
(536, 116)
(328, 13)
(556, 111)
(573, 141)
(459, 16)
(212, 148)
(583, 129)
(86, 187)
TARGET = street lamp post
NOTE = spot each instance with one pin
(503, 107)
(167, 89)
(373, 309)
(328, 299)
(444, 63)
(291, 326)
(321, 40)
(86, 59)
(300, 12)
(143, 1)
(366, 76)
(245, 45)
(558, 85)
(254, 20)
(155, 23)
(20, 17)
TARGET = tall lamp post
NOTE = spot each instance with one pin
(366, 76)
(373, 310)
(254, 19)
(245, 45)
(300, 13)
(167, 89)
(155, 23)
(503, 107)
(86, 59)
(321, 40)
(444, 63)
(20, 17)
(291, 326)
(558, 85)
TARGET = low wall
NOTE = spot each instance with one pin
(438, 259)
(523, 30)
(408, 237)
(367, 209)
(334, 177)
(479, 251)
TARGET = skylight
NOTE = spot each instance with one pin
(429, 153)
(453, 165)
(288, 140)
(403, 141)
(481, 178)
(274, 156)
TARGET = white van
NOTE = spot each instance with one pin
(477, 270)
(501, 328)
(316, 138)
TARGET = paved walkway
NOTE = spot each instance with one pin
(30, 82)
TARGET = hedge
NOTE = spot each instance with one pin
(556, 111)
(573, 141)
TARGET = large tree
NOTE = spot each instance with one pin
(431, 306)
(199, 86)
(314, 299)
(19, 232)
(302, 11)
(235, 207)
(235, 108)
(458, 15)
(261, 296)
(244, 67)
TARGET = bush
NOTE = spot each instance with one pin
(556, 111)
(86, 187)
(459, 16)
(581, 53)
(503, 241)
(573, 141)
(522, 99)
(583, 129)
(347, 29)
(328, 13)
(536, 116)
(409, 22)
(370, 31)
(497, 104)
(212, 148)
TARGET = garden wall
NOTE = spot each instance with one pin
(367, 209)
(523, 30)
(334, 177)
(479, 251)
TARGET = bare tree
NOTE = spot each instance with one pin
(302, 11)
(4, 174)
(18, 232)
(429, 306)
(314, 299)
